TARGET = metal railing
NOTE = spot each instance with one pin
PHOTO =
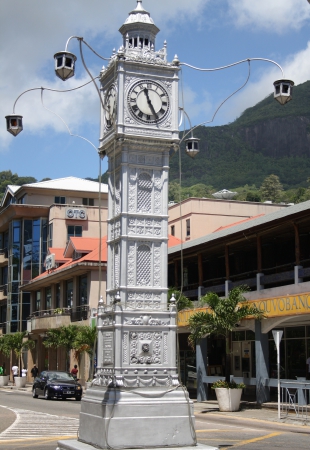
(76, 314)
(4, 289)
(295, 397)
(51, 312)
(80, 313)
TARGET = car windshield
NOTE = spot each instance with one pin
(64, 376)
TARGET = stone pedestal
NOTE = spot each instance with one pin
(76, 445)
(116, 417)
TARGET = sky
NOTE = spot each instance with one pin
(203, 33)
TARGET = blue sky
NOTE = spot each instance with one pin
(204, 33)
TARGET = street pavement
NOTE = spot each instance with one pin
(251, 428)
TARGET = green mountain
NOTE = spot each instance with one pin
(266, 139)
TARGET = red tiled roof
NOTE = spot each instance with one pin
(172, 241)
(237, 223)
(59, 254)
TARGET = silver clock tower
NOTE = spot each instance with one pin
(136, 399)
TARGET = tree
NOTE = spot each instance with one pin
(53, 341)
(64, 336)
(85, 342)
(220, 318)
(182, 301)
(17, 343)
(271, 189)
(253, 197)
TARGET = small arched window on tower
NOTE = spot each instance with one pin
(144, 265)
(144, 193)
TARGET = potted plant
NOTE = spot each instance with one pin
(58, 311)
(4, 379)
(228, 394)
(220, 318)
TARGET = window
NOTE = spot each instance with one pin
(188, 227)
(74, 231)
(48, 298)
(172, 230)
(83, 290)
(88, 202)
(69, 294)
(50, 235)
(38, 301)
(58, 295)
(60, 200)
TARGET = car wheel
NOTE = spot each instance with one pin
(46, 395)
(34, 394)
(78, 398)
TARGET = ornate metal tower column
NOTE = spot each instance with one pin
(136, 399)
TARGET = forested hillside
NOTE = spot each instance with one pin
(266, 139)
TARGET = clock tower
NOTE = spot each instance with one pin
(136, 399)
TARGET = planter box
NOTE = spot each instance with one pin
(228, 399)
(4, 380)
(20, 381)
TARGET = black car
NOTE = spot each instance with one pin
(53, 383)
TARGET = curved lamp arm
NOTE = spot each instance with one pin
(233, 64)
(71, 134)
(218, 108)
(49, 89)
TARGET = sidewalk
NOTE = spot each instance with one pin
(27, 388)
(251, 411)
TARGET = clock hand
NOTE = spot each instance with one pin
(150, 103)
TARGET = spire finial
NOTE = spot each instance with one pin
(139, 6)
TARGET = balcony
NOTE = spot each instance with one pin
(55, 318)
(50, 318)
(3, 291)
(4, 257)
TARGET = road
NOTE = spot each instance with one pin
(27, 423)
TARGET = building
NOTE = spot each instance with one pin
(271, 255)
(33, 218)
(196, 217)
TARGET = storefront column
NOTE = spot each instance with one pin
(201, 368)
(262, 361)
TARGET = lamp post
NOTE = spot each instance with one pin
(136, 388)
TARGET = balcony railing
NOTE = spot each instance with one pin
(80, 313)
(3, 328)
(4, 289)
(76, 314)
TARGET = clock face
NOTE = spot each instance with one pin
(110, 107)
(148, 101)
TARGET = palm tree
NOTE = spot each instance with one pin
(62, 337)
(221, 317)
(17, 343)
(52, 340)
(85, 342)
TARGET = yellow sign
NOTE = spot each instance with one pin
(289, 305)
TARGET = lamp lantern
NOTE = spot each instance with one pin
(192, 146)
(64, 64)
(283, 90)
(14, 124)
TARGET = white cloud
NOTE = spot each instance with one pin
(273, 15)
(195, 106)
(296, 68)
